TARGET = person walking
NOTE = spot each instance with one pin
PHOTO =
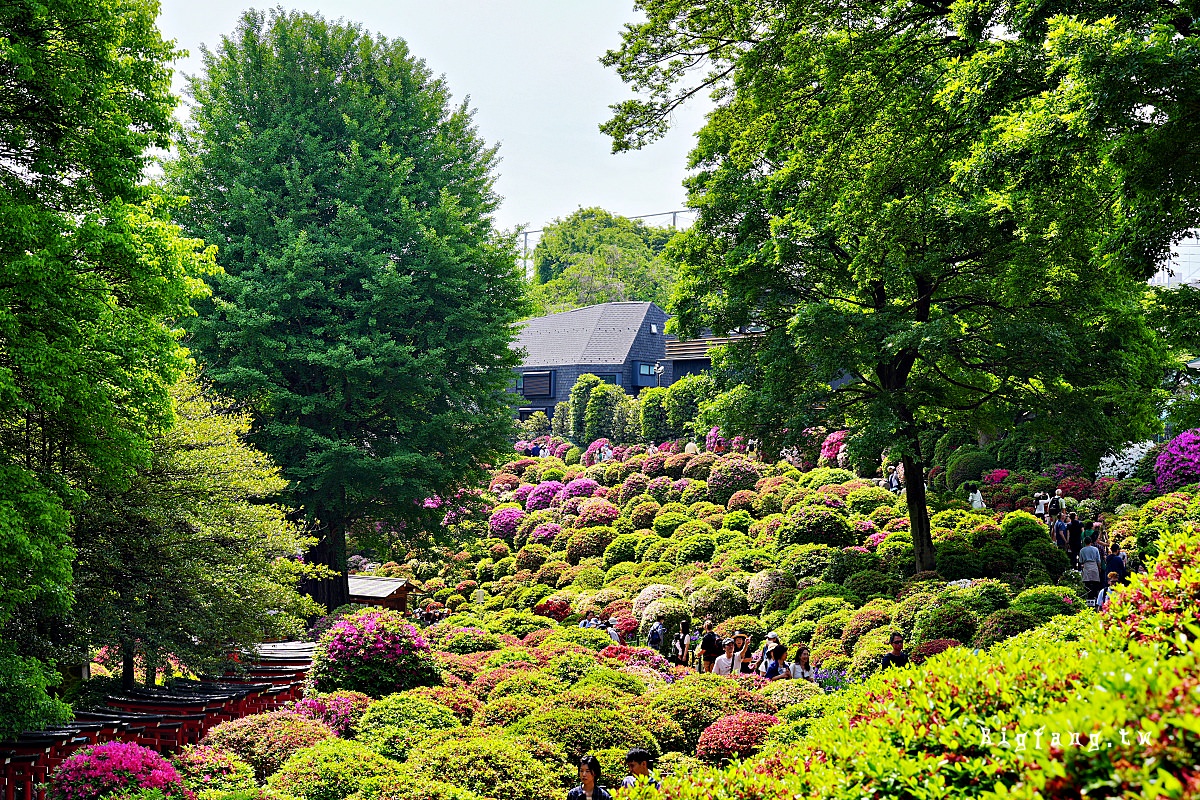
(656, 637)
(589, 787)
(976, 498)
(614, 633)
(802, 667)
(709, 648)
(896, 658)
(1075, 530)
(1115, 564)
(1090, 562)
(681, 645)
(1055, 506)
(637, 762)
(892, 484)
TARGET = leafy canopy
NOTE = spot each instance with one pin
(366, 308)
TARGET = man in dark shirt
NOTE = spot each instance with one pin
(1074, 534)
(896, 658)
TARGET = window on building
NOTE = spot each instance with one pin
(611, 378)
(538, 384)
(654, 327)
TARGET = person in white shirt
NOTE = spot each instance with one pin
(613, 633)
(691, 448)
(802, 667)
(731, 662)
(976, 499)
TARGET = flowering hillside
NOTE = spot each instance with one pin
(498, 698)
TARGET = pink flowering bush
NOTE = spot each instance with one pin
(521, 493)
(206, 768)
(636, 656)
(96, 771)
(996, 476)
(1179, 462)
(267, 740)
(503, 522)
(1162, 605)
(729, 476)
(545, 533)
(339, 711)
(373, 651)
(543, 495)
(734, 736)
(591, 456)
(1079, 488)
(597, 512)
(504, 482)
(580, 487)
(833, 444)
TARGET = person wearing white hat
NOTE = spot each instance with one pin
(613, 633)
(763, 656)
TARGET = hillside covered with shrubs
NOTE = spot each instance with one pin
(500, 697)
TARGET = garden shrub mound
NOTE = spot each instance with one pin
(265, 741)
(822, 558)
(116, 768)
(373, 651)
(331, 770)
(206, 768)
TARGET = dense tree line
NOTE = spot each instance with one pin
(332, 269)
(939, 215)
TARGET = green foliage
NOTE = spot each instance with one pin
(683, 401)
(592, 256)
(816, 525)
(1020, 528)
(331, 770)
(581, 731)
(93, 280)
(1004, 624)
(968, 464)
(215, 563)
(949, 620)
(957, 560)
(652, 405)
(580, 395)
(599, 418)
(491, 766)
(393, 724)
(1045, 602)
(912, 139)
(370, 300)
(719, 600)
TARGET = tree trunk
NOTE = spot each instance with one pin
(127, 679)
(330, 551)
(918, 513)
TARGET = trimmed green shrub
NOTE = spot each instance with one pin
(1004, 624)
(1045, 602)
(968, 464)
(816, 525)
(697, 548)
(950, 620)
(665, 524)
(873, 583)
(581, 731)
(719, 601)
(844, 563)
(1048, 556)
(806, 560)
(491, 766)
(1020, 528)
(330, 770)
(622, 548)
(590, 638)
(957, 560)
(869, 498)
(392, 725)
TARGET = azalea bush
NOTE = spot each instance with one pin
(115, 767)
(1179, 462)
(735, 736)
(340, 710)
(331, 770)
(206, 768)
(265, 741)
(373, 651)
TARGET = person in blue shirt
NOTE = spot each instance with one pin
(589, 787)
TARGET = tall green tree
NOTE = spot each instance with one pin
(367, 302)
(93, 279)
(892, 293)
(593, 256)
(190, 559)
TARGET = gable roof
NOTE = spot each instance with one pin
(599, 334)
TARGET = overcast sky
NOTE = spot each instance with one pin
(530, 68)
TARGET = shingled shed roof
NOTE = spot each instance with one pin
(600, 334)
(370, 586)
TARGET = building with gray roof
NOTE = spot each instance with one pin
(622, 343)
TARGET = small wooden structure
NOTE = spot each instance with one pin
(386, 592)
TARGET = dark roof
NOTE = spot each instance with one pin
(372, 586)
(600, 334)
